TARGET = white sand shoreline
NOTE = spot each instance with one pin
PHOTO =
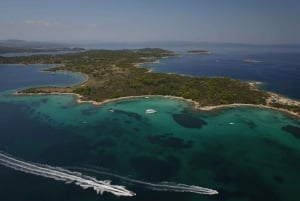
(196, 105)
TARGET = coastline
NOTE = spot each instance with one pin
(211, 108)
(273, 97)
(156, 60)
(96, 103)
(196, 105)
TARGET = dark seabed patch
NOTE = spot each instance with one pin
(127, 101)
(279, 146)
(107, 127)
(278, 179)
(156, 169)
(295, 131)
(129, 114)
(106, 142)
(136, 129)
(188, 121)
(39, 102)
(206, 160)
(167, 140)
(127, 122)
(45, 100)
(250, 123)
(89, 111)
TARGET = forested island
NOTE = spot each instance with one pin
(199, 52)
(113, 74)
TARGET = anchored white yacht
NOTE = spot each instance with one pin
(150, 111)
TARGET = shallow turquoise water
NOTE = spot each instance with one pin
(242, 152)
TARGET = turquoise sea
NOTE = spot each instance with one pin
(245, 153)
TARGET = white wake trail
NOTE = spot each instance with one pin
(163, 186)
(64, 175)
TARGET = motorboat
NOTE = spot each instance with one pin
(150, 111)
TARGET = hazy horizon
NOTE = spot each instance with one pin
(186, 42)
(138, 21)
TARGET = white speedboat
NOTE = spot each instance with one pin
(150, 111)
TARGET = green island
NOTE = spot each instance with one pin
(198, 52)
(115, 74)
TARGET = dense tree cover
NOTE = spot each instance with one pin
(198, 51)
(112, 74)
(292, 108)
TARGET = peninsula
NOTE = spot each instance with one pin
(113, 74)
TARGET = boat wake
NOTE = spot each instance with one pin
(61, 174)
(163, 186)
(64, 175)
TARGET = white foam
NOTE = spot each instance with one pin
(64, 175)
(163, 186)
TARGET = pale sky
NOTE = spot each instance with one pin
(237, 21)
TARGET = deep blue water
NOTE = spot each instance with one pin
(22, 76)
(278, 68)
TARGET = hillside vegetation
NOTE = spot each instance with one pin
(112, 74)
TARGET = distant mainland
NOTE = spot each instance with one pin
(4, 50)
(199, 52)
(21, 46)
(113, 74)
